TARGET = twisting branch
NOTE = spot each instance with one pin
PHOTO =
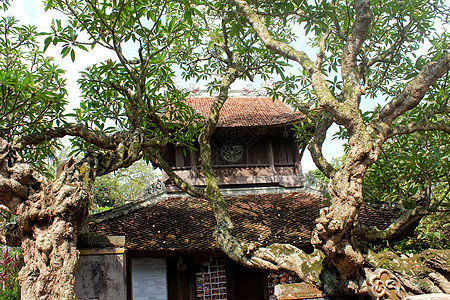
(213, 193)
(278, 47)
(126, 153)
(372, 234)
(315, 146)
(355, 41)
(412, 94)
(80, 130)
(321, 53)
(351, 76)
(273, 257)
(420, 126)
(325, 96)
(159, 161)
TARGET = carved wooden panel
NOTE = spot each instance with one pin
(382, 284)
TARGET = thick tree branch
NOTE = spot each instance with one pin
(80, 130)
(159, 161)
(284, 256)
(122, 148)
(278, 47)
(213, 193)
(315, 146)
(325, 96)
(412, 94)
(273, 257)
(356, 39)
(420, 126)
(372, 234)
(129, 150)
(351, 76)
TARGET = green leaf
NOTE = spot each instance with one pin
(47, 42)
(65, 50)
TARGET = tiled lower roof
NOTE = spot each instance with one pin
(187, 223)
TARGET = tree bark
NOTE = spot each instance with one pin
(49, 219)
(49, 237)
(333, 227)
(50, 214)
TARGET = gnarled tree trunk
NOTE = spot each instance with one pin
(50, 214)
(333, 234)
(49, 218)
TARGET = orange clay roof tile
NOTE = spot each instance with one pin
(247, 111)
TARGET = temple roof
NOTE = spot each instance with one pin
(247, 111)
(187, 223)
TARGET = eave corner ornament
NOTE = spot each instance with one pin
(155, 188)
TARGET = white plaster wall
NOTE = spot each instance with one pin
(149, 279)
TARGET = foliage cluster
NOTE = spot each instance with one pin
(411, 168)
(124, 185)
(32, 89)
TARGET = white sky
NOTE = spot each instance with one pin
(32, 12)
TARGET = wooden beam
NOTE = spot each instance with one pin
(95, 240)
(102, 251)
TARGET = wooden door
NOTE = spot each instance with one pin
(249, 284)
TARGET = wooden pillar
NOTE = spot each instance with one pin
(193, 156)
(179, 159)
(297, 163)
(182, 280)
(272, 159)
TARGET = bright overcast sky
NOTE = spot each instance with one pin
(32, 12)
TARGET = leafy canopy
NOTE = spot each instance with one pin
(32, 89)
